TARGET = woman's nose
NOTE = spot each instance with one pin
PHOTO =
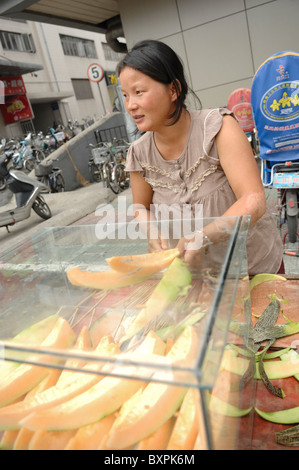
(130, 104)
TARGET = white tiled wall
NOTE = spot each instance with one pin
(221, 42)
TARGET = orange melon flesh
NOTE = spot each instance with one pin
(104, 398)
(34, 335)
(105, 280)
(185, 430)
(24, 435)
(26, 376)
(90, 437)
(67, 387)
(43, 440)
(156, 403)
(158, 439)
(8, 440)
(153, 262)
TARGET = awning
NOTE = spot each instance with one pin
(12, 68)
(48, 97)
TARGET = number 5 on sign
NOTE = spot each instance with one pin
(95, 73)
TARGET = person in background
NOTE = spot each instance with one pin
(192, 157)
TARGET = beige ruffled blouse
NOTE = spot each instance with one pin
(196, 177)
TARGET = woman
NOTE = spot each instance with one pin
(191, 157)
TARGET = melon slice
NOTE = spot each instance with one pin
(264, 277)
(101, 399)
(24, 435)
(176, 278)
(152, 262)
(90, 437)
(105, 280)
(26, 376)
(43, 440)
(34, 335)
(158, 439)
(8, 440)
(185, 430)
(68, 386)
(157, 402)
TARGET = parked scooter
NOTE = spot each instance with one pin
(28, 193)
(274, 102)
(51, 176)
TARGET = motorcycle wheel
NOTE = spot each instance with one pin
(41, 208)
(29, 164)
(2, 183)
(60, 184)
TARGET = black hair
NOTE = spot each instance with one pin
(161, 63)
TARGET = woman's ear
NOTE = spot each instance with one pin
(175, 89)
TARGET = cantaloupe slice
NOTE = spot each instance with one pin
(101, 399)
(24, 435)
(185, 429)
(8, 439)
(66, 388)
(157, 402)
(43, 440)
(90, 437)
(105, 280)
(176, 278)
(153, 262)
(34, 335)
(158, 439)
(26, 376)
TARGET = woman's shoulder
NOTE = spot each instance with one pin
(210, 113)
(142, 141)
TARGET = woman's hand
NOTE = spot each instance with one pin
(191, 248)
(157, 244)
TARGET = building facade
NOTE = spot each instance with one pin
(60, 89)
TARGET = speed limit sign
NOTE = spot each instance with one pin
(95, 73)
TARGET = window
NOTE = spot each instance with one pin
(82, 89)
(16, 42)
(78, 47)
(110, 54)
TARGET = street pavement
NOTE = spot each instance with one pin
(67, 208)
(79, 207)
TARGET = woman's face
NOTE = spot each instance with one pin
(150, 103)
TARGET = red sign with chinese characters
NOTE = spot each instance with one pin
(239, 102)
(13, 86)
(16, 108)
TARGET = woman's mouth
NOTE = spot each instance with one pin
(138, 118)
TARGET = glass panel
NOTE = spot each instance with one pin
(36, 284)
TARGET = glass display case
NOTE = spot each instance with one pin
(138, 341)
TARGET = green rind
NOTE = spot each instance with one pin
(226, 409)
(288, 416)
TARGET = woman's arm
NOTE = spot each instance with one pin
(241, 170)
